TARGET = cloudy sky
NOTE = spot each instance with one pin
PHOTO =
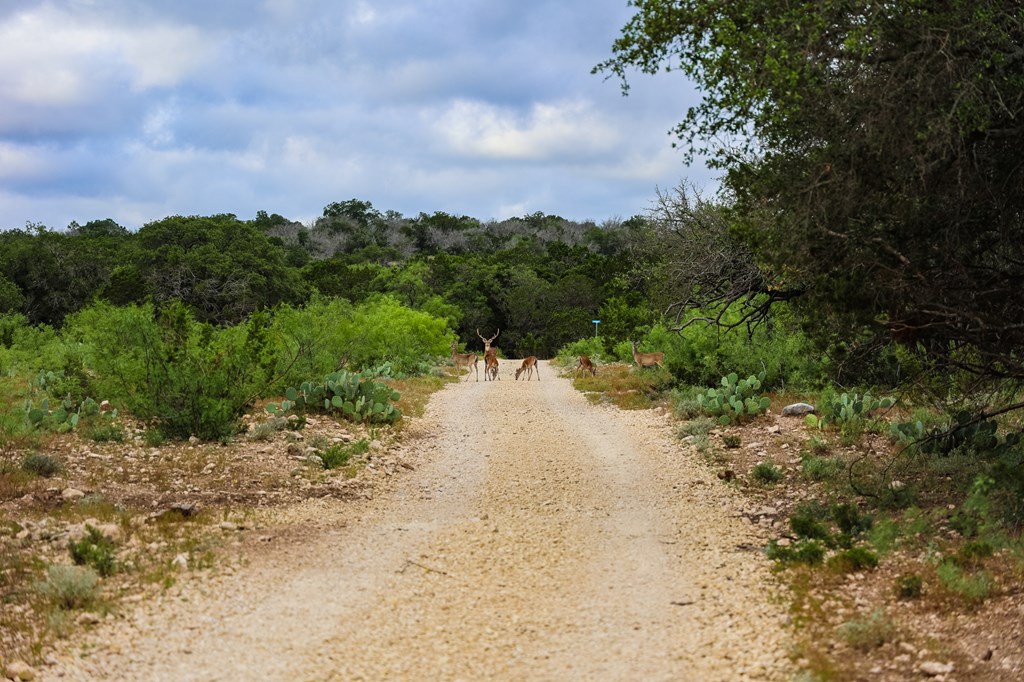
(139, 109)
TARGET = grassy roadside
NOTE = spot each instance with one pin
(897, 564)
(96, 518)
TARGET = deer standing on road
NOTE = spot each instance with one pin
(529, 364)
(586, 365)
(464, 360)
(491, 366)
(490, 355)
(648, 359)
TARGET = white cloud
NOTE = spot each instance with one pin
(53, 58)
(21, 162)
(157, 126)
(549, 131)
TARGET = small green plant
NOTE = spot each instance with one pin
(818, 445)
(806, 523)
(853, 560)
(340, 454)
(809, 552)
(849, 519)
(909, 586)
(265, 431)
(731, 441)
(884, 535)
(154, 437)
(42, 465)
(973, 588)
(767, 473)
(736, 399)
(94, 550)
(105, 433)
(70, 587)
(822, 468)
(869, 632)
(700, 426)
(972, 555)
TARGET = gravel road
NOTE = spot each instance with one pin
(539, 537)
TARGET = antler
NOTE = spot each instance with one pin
(487, 340)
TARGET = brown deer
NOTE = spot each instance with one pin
(491, 366)
(648, 359)
(464, 360)
(586, 365)
(529, 365)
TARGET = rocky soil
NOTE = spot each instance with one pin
(529, 535)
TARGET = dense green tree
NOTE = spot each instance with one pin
(872, 151)
(222, 268)
(98, 228)
(55, 273)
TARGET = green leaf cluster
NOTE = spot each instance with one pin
(95, 550)
(356, 398)
(65, 415)
(847, 408)
(736, 399)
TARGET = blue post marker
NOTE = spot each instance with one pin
(596, 322)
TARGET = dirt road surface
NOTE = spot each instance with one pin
(539, 537)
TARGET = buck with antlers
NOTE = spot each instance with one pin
(648, 359)
(586, 365)
(529, 365)
(462, 360)
(487, 342)
(490, 355)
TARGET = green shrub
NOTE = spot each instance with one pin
(822, 468)
(684, 402)
(702, 353)
(339, 454)
(731, 441)
(94, 550)
(189, 377)
(806, 522)
(973, 588)
(592, 347)
(884, 535)
(42, 465)
(909, 586)
(767, 473)
(809, 552)
(849, 519)
(328, 333)
(70, 587)
(870, 632)
(265, 431)
(853, 560)
(972, 554)
(695, 427)
(153, 437)
(105, 433)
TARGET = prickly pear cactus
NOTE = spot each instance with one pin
(350, 395)
(736, 399)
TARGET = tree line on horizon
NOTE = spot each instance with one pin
(540, 278)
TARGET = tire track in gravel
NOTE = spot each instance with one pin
(542, 538)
